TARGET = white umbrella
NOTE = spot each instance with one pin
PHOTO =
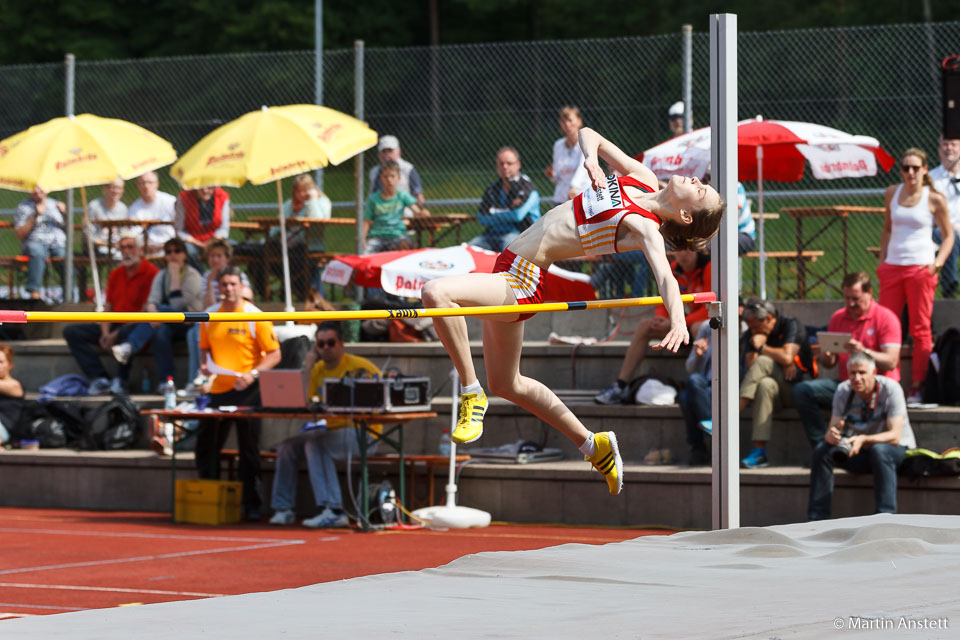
(774, 150)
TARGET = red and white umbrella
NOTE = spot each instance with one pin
(773, 150)
(403, 273)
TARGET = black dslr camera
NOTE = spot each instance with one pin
(841, 451)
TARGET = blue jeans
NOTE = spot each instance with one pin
(695, 405)
(84, 343)
(161, 342)
(38, 253)
(948, 275)
(320, 449)
(494, 240)
(882, 459)
(811, 397)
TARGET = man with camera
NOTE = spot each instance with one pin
(869, 432)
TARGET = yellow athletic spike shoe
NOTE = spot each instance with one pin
(470, 425)
(606, 460)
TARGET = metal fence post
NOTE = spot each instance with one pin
(724, 374)
(69, 88)
(687, 31)
(318, 70)
(358, 166)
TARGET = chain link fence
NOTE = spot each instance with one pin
(453, 107)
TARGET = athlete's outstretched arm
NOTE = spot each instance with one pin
(593, 145)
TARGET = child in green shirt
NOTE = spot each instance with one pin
(383, 225)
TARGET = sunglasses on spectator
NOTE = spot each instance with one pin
(910, 168)
(169, 250)
(332, 342)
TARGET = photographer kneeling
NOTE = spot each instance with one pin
(869, 431)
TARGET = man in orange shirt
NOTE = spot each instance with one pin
(127, 289)
(692, 271)
(244, 349)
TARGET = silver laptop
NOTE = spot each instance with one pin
(282, 389)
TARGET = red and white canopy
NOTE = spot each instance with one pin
(403, 273)
(787, 147)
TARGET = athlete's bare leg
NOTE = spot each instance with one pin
(502, 342)
(472, 289)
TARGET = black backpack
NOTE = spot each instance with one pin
(942, 384)
(37, 423)
(116, 424)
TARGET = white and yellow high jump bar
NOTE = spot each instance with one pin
(20, 317)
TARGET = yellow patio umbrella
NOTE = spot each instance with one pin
(79, 151)
(269, 145)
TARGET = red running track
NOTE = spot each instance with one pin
(55, 561)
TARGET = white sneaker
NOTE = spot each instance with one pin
(99, 387)
(327, 519)
(283, 517)
(122, 352)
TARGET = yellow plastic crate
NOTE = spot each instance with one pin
(208, 502)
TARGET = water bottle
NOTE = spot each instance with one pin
(145, 381)
(169, 390)
(443, 447)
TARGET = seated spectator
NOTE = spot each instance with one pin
(154, 204)
(869, 432)
(383, 225)
(509, 205)
(875, 330)
(11, 395)
(746, 227)
(199, 216)
(695, 399)
(946, 180)
(128, 287)
(39, 223)
(692, 271)
(322, 446)
(217, 253)
(175, 288)
(777, 357)
(388, 150)
(106, 207)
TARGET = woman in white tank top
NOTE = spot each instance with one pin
(909, 259)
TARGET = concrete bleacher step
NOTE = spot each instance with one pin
(567, 492)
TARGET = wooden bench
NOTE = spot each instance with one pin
(874, 251)
(777, 257)
(430, 462)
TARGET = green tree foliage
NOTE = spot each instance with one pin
(43, 30)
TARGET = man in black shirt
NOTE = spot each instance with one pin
(777, 356)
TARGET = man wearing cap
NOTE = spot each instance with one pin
(675, 115)
(389, 150)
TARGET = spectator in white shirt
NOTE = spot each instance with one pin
(567, 171)
(154, 204)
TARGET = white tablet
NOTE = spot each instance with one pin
(832, 342)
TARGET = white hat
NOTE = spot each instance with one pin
(676, 110)
(389, 142)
